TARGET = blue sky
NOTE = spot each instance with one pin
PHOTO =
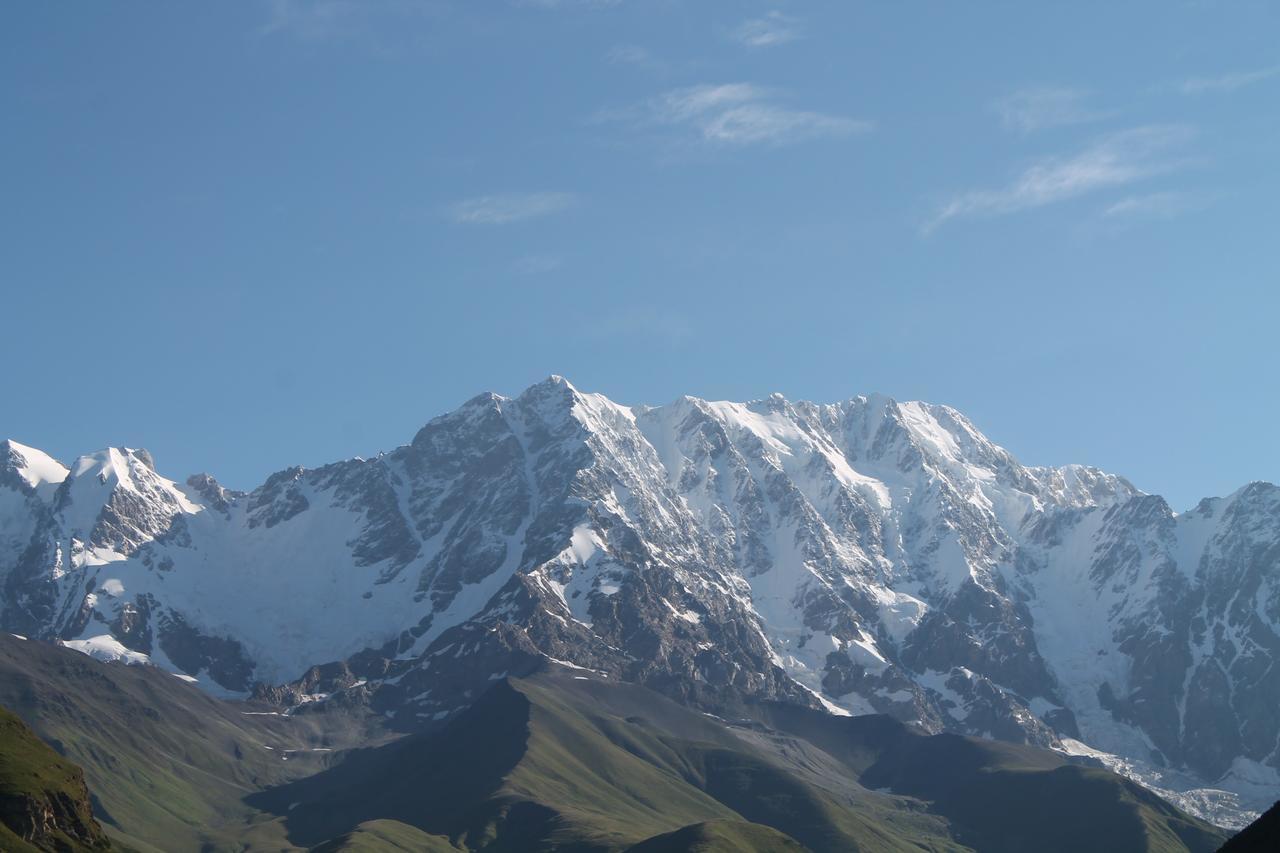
(253, 234)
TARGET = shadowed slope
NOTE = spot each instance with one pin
(560, 761)
(720, 837)
(1000, 796)
(1261, 836)
(551, 762)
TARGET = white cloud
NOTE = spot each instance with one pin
(638, 57)
(1113, 161)
(1161, 205)
(768, 30)
(1036, 109)
(750, 123)
(506, 208)
(310, 19)
(738, 114)
(1227, 82)
(684, 104)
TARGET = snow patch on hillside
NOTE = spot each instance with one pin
(105, 647)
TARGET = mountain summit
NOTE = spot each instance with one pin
(869, 555)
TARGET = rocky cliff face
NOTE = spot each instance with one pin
(866, 555)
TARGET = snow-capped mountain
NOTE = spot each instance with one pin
(870, 555)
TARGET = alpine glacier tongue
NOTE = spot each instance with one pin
(870, 555)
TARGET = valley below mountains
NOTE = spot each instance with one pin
(859, 625)
(555, 761)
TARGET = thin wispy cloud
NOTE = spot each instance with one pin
(1116, 160)
(1030, 110)
(310, 19)
(736, 114)
(636, 56)
(506, 208)
(1159, 205)
(769, 30)
(1230, 82)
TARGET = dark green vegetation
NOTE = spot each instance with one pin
(559, 761)
(1261, 836)
(43, 800)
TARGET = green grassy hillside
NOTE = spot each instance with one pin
(386, 836)
(720, 836)
(168, 766)
(550, 763)
(557, 762)
(563, 762)
(44, 804)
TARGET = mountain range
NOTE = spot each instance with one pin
(864, 557)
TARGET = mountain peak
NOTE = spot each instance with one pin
(116, 495)
(775, 402)
(113, 463)
(211, 492)
(34, 468)
(552, 388)
(552, 384)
